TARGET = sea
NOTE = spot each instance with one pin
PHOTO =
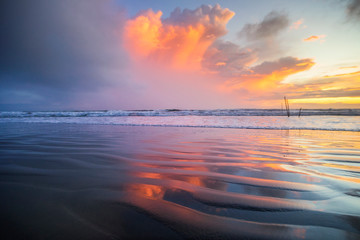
(312, 119)
(180, 174)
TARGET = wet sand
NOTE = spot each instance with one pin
(73, 181)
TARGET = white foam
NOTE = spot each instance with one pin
(338, 123)
(176, 112)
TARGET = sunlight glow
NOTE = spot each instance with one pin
(329, 100)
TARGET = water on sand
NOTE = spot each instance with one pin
(71, 181)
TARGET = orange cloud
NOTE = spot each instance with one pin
(328, 100)
(343, 74)
(348, 67)
(271, 79)
(314, 38)
(268, 75)
(180, 40)
(193, 63)
(336, 90)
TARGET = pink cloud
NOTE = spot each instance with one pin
(179, 41)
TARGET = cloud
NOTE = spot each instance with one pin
(267, 76)
(331, 93)
(85, 54)
(167, 56)
(319, 102)
(264, 38)
(180, 40)
(297, 24)
(270, 26)
(52, 50)
(353, 9)
(286, 64)
(264, 83)
(189, 40)
(343, 74)
(348, 67)
(228, 58)
(214, 18)
(330, 82)
(314, 38)
(335, 89)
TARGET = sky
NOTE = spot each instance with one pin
(125, 54)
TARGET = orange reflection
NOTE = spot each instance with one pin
(341, 166)
(146, 190)
(275, 166)
(177, 181)
(338, 177)
(188, 178)
(272, 156)
(300, 232)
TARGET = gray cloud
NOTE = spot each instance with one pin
(283, 64)
(213, 18)
(269, 27)
(353, 9)
(51, 49)
(264, 37)
(331, 93)
(227, 58)
(318, 92)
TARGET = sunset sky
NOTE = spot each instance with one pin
(126, 54)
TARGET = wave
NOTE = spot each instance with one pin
(178, 112)
(330, 123)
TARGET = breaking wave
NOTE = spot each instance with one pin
(178, 112)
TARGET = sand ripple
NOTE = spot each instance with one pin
(182, 183)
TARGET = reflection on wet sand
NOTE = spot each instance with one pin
(205, 175)
(183, 183)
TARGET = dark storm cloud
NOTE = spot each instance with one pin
(56, 47)
(353, 9)
(270, 26)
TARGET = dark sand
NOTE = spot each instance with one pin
(63, 181)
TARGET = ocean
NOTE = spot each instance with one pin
(180, 174)
(311, 119)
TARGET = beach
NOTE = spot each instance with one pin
(86, 181)
(180, 120)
